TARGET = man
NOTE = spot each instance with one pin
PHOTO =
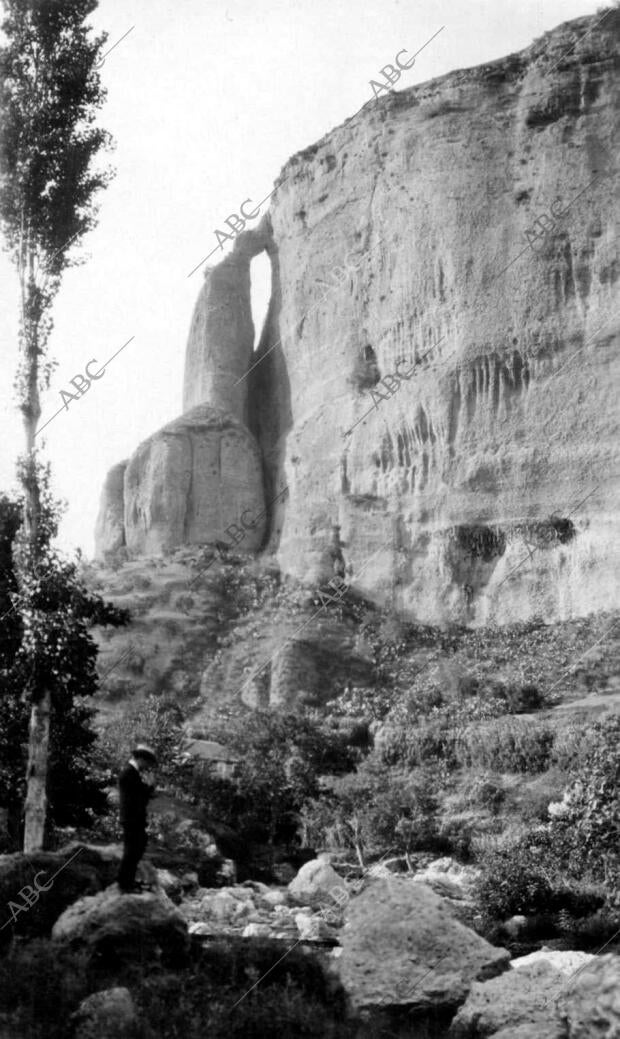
(136, 786)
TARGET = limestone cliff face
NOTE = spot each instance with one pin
(184, 486)
(481, 486)
(486, 487)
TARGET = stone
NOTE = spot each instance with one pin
(170, 884)
(313, 928)
(256, 931)
(448, 878)
(402, 946)
(78, 869)
(275, 898)
(519, 999)
(472, 398)
(589, 1003)
(114, 926)
(110, 525)
(190, 481)
(221, 337)
(314, 882)
(110, 1012)
(515, 925)
(567, 962)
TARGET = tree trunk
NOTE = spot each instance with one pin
(36, 776)
(39, 732)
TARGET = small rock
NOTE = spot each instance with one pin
(314, 882)
(566, 962)
(312, 928)
(256, 931)
(198, 927)
(104, 1014)
(274, 897)
(515, 926)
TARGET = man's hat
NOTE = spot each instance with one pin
(142, 751)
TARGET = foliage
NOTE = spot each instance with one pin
(50, 90)
(415, 735)
(41, 985)
(281, 758)
(587, 823)
(518, 879)
(46, 634)
(375, 810)
(154, 722)
(579, 844)
(506, 745)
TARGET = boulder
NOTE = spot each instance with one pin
(189, 482)
(590, 1001)
(113, 926)
(402, 946)
(313, 928)
(519, 999)
(72, 871)
(314, 882)
(566, 962)
(104, 1014)
(274, 898)
(110, 526)
(448, 878)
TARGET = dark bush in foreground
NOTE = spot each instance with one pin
(230, 990)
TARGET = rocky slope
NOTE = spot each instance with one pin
(437, 377)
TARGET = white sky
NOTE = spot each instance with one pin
(207, 99)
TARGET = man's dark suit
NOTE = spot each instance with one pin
(134, 797)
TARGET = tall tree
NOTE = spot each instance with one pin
(50, 91)
(50, 634)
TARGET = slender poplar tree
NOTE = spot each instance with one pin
(50, 91)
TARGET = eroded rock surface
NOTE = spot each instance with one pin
(188, 482)
(114, 925)
(401, 946)
(519, 999)
(437, 376)
(590, 1002)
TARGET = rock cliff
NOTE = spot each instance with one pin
(437, 376)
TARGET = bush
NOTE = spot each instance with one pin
(518, 879)
(486, 792)
(435, 736)
(216, 994)
(586, 824)
(41, 984)
(375, 811)
(506, 745)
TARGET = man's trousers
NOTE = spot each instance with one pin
(134, 843)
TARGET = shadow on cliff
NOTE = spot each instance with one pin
(269, 405)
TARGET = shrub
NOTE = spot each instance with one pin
(586, 823)
(486, 792)
(375, 811)
(517, 879)
(506, 745)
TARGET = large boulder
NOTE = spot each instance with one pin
(590, 1002)
(104, 1014)
(59, 878)
(314, 882)
(112, 926)
(110, 526)
(546, 995)
(197, 480)
(402, 946)
(520, 999)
